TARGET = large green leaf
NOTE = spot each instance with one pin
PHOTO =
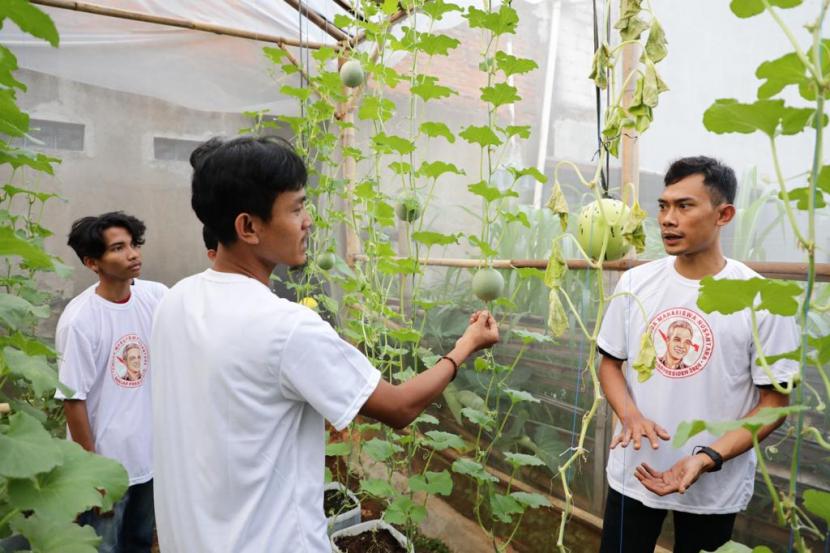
(532, 500)
(435, 169)
(26, 448)
(749, 8)
(481, 135)
(71, 487)
(56, 536)
(490, 193)
(504, 507)
(779, 73)
(15, 312)
(517, 396)
(523, 460)
(485, 420)
(729, 296)
(498, 22)
(375, 108)
(439, 440)
(768, 415)
(427, 88)
(384, 143)
(511, 65)
(377, 487)
(735, 547)
(36, 369)
(500, 94)
(338, 449)
(470, 468)
(403, 510)
(430, 238)
(770, 117)
(818, 503)
(13, 121)
(435, 483)
(437, 44)
(381, 450)
(30, 19)
(12, 245)
(435, 128)
(437, 8)
(8, 65)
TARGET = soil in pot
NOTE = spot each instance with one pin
(376, 541)
(336, 502)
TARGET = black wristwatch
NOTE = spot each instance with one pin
(712, 454)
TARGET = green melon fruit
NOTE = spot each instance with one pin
(408, 209)
(488, 284)
(591, 229)
(326, 260)
(351, 74)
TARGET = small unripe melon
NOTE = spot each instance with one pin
(408, 209)
(326, 260)
(488, 284)
(351, 74)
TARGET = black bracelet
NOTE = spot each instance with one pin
(454, 366)
(712, 454)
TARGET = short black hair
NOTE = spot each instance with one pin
(242, 175)
(87, 234)
(718, 177)
(211, 243)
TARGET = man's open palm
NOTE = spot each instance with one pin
(678, 479)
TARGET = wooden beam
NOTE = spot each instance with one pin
(320, 21)
(630, 173)
(96, 9)
(351, 9)
(769, 269)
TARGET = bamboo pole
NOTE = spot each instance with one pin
(320, 21)
(351, 9)
(770, 269)
(117, 13)
(630, 144)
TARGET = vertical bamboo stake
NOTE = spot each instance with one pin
(630, 144)
(347, 140)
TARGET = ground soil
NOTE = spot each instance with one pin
(375, 541)
(335, 502)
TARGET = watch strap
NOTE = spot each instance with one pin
(712, 454)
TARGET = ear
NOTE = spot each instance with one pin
(91, 264)
(247, 227)
(726, 212)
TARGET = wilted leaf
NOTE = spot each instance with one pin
(557, 266)
(599, 67)
(559, 205)
(656, 46)
(557, 318)
(646, 357)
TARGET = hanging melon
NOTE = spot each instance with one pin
(591, 229)
(351, 74)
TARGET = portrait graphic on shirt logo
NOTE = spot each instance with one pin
(129, 361)
(683, 341)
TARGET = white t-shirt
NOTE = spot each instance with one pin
(707, 371)
(244, 381)
(104, 358)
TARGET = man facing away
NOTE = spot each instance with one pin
(102, 340)
(707, 371)
(245, 379)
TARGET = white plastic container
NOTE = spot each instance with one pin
(346, 518)
(368, 526)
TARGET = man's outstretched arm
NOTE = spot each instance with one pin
(398, 405)
(736, 442)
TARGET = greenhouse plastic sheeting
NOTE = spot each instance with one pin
(195, 69)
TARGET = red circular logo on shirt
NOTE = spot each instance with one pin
(683, 341)
(130, 361)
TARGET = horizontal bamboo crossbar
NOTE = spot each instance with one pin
(778, 270)
(97, 9)
(321, 22)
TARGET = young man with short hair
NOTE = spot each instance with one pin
(246, 379)
(102, 340)
(706, 369)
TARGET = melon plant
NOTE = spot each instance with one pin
(326, 260)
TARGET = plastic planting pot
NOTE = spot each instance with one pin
(369, 526)
(346, 518)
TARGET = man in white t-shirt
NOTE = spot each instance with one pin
(244, 379)
(102, 341)
(705, 369)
